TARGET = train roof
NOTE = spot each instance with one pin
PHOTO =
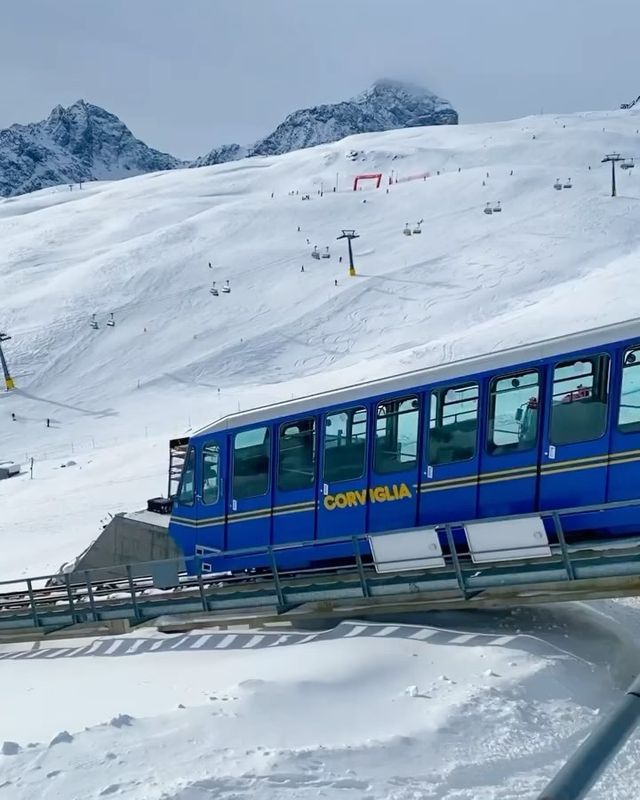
(545, 348)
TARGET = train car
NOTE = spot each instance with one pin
(550, 425)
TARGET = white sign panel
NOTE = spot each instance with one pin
(406, 550)
(507, 540)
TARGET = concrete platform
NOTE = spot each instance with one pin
(130, 538)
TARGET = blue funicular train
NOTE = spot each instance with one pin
(550, 425)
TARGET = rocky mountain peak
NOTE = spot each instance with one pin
(385, 105)
(82, 142)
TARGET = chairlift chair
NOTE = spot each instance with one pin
(417, 228)
(315, 253)
(111, 323)
(94, 322)
(567, 184)
(497, 208)
(213, 290)
(488, 209)
(226, 288)
(406, 230)
(557, 185)
(326, 254)
(627, 164)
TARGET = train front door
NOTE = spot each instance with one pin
(393, 482)
(295, 483)
(624, 462)
(249, 499)
(509, 458)
(449, 480)
(573, 465)
(210, 497)
(343, 493)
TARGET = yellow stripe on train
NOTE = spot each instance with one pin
(358, 497)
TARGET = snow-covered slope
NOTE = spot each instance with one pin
(80, 143)
(552, 262)
(385, 105)
(489, 705)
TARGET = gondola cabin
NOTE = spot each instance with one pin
(549, 425)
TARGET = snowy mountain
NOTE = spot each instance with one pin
(85, 143)
(80, 143)
(386, 105)
(220, 155)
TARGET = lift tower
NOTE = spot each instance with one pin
(8, 380)
(613, 158)
(349, 235)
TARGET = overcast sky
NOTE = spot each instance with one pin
(186, 75)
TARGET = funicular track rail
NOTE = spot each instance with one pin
(49, 603)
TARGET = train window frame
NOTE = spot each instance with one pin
(580, 357)
(363, 468)
(493, 449)
(402, 467)
(191, 454)
(432, 394)
(626, 427)
(203, 489)
(234, 460)
(314, 463)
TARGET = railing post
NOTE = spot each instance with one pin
(132, 589)
(67, 583)
(566, 560)
(203, 596)
(456, 561)
(276, 579)
(92, 601)
(363, 581)
(32, 601)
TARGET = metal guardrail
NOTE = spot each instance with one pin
(49, 602)
(594, 755)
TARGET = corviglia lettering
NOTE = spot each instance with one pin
(358, 497)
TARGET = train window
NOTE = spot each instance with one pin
(186, 490)
(345, 445)
(580, 396)
(396, 445)
(251, 461)
(453, 424)
(210, 473)
(629, 411)
(513, 413)
(297, 459)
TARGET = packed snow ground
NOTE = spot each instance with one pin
(378, 711)
(359, 717)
